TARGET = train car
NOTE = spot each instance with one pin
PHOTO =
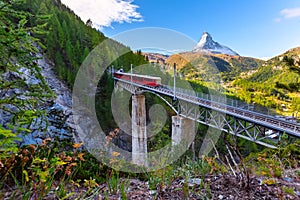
(139, 79)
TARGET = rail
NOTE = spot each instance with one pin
(232, 107)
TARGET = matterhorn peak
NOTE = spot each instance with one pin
(205, 38)
(208, 45)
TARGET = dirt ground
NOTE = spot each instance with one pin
(222, 187)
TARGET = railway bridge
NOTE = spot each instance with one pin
(227, 115)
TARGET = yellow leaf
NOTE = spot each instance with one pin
(43, 176)
(73, 164)
(269, 182)
(115, 154)
(26, 175)
(61, 163)
(263, 173)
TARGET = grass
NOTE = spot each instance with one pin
(61, 170)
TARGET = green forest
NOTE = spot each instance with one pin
(67, 40)
(64, 169)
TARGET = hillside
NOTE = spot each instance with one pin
(194, 65)
(292, 53)
(155, 57)
(67, 40)
(274, 84)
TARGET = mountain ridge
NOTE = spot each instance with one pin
(208, 45)
(188, 63)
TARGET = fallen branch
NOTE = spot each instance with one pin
(230, 166)
(232, 158)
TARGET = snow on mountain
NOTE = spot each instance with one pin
(208, 45)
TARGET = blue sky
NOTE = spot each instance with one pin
(256, 28)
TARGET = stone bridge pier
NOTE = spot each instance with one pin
(183, 131)
(139, 133)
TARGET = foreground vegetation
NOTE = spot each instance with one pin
(65, 170)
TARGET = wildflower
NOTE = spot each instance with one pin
(80, 156)
(68, 159)
(77, 145)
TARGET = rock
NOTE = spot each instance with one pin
(152, 192)
(123, 141)
(59, 124)
(220, 196)
(287, 179)
(193, 181)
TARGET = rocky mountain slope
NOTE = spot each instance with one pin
(208, 45)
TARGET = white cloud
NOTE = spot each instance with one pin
(278, 19)
(290, 12)
(104, 12)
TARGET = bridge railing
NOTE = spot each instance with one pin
(223, 99)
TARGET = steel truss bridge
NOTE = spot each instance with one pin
(220, 113)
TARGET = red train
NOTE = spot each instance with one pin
(139, 79)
